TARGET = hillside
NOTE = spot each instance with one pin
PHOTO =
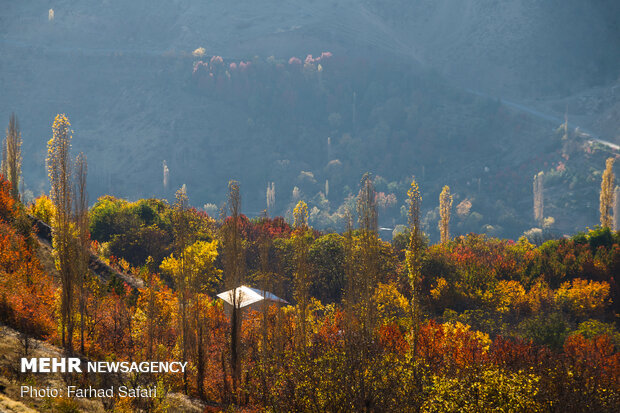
(400, 99)
(521, 49)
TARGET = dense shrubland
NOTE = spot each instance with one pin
(502, 323)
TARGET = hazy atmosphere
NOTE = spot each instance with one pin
(468, 94)
(309, 206)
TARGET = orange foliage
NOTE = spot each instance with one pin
(516, 353)
(7, 203)
(594, 358)
(26, 291)
(448, 346)
(392, 338)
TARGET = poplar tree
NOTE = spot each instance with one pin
(617, 209)
(607, 194)
(181, 232)
(414, 255)
(349, 267)
(271, 197)
(59, 171)
(82, 247)
(538, 187)
(445, 207)
(166, 175)
(362, 270)
(302, 270)
(353, 358)
(11, 166)
(192, 266)
(266, 282)
(369, 250)
(233, 274)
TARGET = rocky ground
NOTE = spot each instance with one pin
(12, 347)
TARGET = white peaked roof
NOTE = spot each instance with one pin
(247, 296)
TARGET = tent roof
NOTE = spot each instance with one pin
(247, 296)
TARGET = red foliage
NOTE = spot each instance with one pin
(111, 326)
(6, 201)
(392, 338)
(516, 353)
(593, 358)
(254, 230)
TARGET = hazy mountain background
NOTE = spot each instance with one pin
(466, 93)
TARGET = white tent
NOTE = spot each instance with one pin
(246, 296)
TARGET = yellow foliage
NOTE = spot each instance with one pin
(413, 256)
(300, 215)
(203, 253)
(199, 52)
(539, 296)
(125, 266)
(491, 390)
(583, 297)
(440, 288)
(607, 194)
(391, 304)
(43, 209)
(445, 205)
(509, 295)
(454, 329)
(319, 313)
(198, 261)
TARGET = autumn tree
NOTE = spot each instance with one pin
(301, 240)
(12, 156)
(266, 283)
(350, 306)
(178, 268)
(271, 196)
(195, 275)
(414, 254)
(607, 194)
(349, 266)
(445, 207)
(617, 209)
(538, 197)
(204, 276)
(59, 171)
(362, 271)
(82, 256)
(166, 175)
(233, 261)
(368, 259)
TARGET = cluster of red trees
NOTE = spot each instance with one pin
(238, 81)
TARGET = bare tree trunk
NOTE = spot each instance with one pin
(200, 363)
